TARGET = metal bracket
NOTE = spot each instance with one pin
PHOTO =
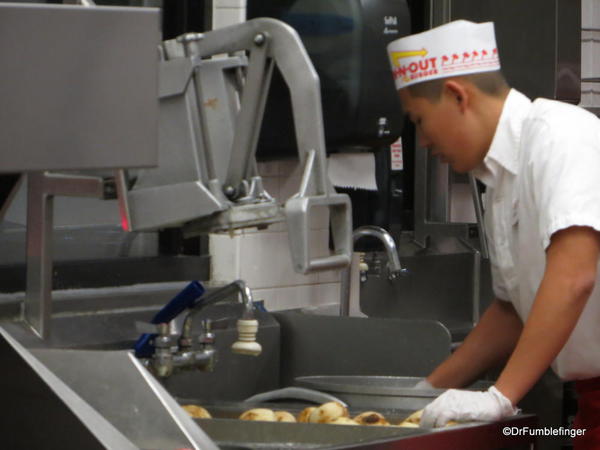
(41, 189)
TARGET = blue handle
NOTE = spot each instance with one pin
(183, 300)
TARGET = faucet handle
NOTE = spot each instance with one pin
(392, 275)
(246, 343)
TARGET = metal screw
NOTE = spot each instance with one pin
(259, 39)
(229, 191)
(189, 37)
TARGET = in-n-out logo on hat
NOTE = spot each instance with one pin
(456, 48)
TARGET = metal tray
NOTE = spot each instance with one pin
(376, 391)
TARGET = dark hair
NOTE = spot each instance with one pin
(491, 83)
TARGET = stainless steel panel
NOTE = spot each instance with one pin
(28, 385)
(37, 306)
(539, 42)
(79, 87)
(235, 377)
(449, 299)
(127, 395)
(328, 345)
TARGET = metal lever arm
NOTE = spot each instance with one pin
(288, 52)
(276, 41)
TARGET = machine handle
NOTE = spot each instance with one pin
(297, 212)
(327, 263)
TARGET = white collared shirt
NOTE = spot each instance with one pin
(542, 173)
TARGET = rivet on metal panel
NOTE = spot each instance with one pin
(259, 39)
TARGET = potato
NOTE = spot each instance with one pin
(328, 412)
(414, 420)
(284, 416)
(263, 414)
(305, 414)
(197, 412)
(414, 417)
(371, 418)
(407, 424)
(343, 421)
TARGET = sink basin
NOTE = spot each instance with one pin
(229, 433)
(226, 430)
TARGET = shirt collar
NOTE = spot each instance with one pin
(504, 150)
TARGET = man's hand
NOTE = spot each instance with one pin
(465, 406)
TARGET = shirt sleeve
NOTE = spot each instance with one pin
(498, 287)
(564, 169)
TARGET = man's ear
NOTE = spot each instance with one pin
(457, 93)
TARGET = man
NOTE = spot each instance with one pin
(540, 162)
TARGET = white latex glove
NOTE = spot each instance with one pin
(423, 384)
(466, 406)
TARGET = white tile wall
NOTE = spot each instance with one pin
(228, 12)
(590, 13)
(288, 297)
(228, 16)
(262, 258)
(225, 252)
(590, 52)
(230, 3)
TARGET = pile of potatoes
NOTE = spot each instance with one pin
(331, 412)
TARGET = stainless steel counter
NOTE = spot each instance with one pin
(91, 381)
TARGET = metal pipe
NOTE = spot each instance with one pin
(236, 287)
(387, 241)
(477, 203)
(476, 281)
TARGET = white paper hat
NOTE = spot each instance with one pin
(456, 48)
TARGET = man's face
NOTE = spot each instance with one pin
(443, 128)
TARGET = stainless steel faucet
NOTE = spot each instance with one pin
(394, 267)
(172, 354)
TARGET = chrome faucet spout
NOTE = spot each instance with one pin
(247, 324)
(239, 287)
(388, 242)
(394, 266)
